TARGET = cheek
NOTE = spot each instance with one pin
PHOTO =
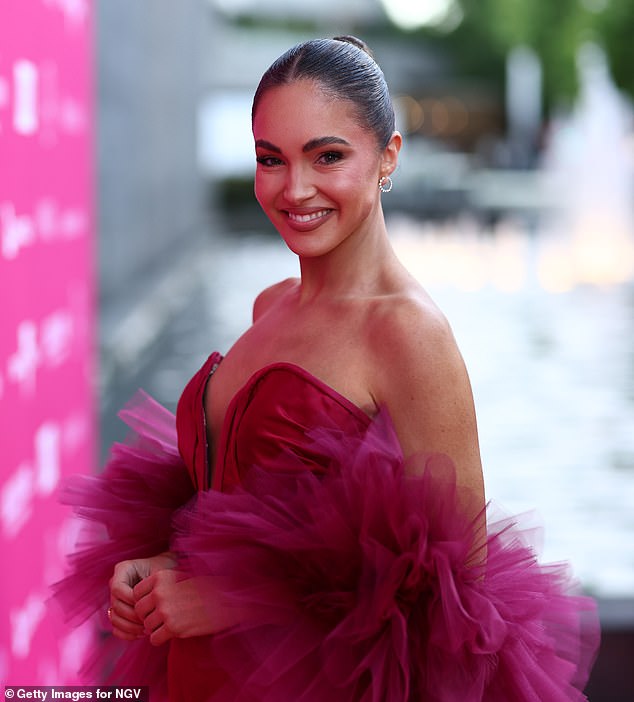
(364, 177)
(262, 189)
(363, 189)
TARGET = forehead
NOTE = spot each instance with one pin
(304, 107)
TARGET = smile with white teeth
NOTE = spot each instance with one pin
(307, 217)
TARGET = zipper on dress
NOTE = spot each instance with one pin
(208, 466)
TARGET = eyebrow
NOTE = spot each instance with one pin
(308, 146)
(323, 141)
(263, 144)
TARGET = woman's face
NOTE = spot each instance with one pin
(317, 167)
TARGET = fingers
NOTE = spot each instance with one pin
(126, 612)
(125, 576)
(160, 636)
(147, 609)
(154, 624)
(143, 588)
(125, 622)
(157, 629)
(140, 601)
(153, 596)
(157, 590)
(144, 607)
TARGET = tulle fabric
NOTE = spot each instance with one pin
(369, 586)
(126, 513)
(363, 585)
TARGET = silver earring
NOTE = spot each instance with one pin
(385, 184)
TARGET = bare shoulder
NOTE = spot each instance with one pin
(269, 296)
(415, 334)
(422, 380)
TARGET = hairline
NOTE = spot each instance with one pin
(329, 92)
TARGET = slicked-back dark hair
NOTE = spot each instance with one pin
(344, 67)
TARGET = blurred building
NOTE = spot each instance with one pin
(148, 88)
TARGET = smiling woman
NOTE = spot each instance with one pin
(314, 527)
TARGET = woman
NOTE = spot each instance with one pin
(349, 367)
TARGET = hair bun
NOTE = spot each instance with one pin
(355, 41)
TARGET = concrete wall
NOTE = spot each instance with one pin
(148, 87)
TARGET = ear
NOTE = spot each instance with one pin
(389, 157)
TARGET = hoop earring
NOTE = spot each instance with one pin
(385, 184)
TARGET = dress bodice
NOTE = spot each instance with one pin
(272, 414)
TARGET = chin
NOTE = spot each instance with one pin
(308, 248)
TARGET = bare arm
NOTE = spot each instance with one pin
(425, 385)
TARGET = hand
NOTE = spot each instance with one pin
(125, 622)
(172, 605)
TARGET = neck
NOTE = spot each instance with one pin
(361, 265)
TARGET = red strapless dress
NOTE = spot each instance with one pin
(364, 582)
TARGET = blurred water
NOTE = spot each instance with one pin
(552, 373)
(553, 380)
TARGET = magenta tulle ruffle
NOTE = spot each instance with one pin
(126, 513)
(366, 585)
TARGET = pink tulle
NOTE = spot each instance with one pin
(358, 587)
(366, 585)
(126, 513)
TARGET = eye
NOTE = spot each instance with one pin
(268, 161)
(329, 157)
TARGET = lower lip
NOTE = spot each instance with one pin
(309, 224)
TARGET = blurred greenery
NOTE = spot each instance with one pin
(555, 29)
(479, 44)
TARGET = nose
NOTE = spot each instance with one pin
(299, 185)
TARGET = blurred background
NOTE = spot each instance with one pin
(513, 204)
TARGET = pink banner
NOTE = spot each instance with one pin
(47, 415)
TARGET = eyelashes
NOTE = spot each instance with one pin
(268, 161)
(330, 157)
(326, 158)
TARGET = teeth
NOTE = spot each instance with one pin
(307, 217)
